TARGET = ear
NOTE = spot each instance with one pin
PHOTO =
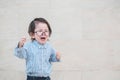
(32, 35)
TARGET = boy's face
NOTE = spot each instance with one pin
(41, 32)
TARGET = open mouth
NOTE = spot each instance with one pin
(43, 38)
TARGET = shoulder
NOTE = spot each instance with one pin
(48, 45)
(51, 47)
(28, 44)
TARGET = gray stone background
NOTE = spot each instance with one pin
(86, 32)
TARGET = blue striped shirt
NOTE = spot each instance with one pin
(38, 58)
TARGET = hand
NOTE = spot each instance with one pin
(21, 42)
(58, 56)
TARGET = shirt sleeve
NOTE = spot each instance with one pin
(53, 56)
(20, 52)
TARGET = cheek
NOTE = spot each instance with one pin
(36, 37)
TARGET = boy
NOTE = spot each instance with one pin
(38, 53)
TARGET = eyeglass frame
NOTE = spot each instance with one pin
(41, 32)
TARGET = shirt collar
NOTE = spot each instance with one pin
(41, 46)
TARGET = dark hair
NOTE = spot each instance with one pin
(33, 24)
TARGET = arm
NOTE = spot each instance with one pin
(20, 51)
(55, 56)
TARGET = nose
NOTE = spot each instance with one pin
(43, 33)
